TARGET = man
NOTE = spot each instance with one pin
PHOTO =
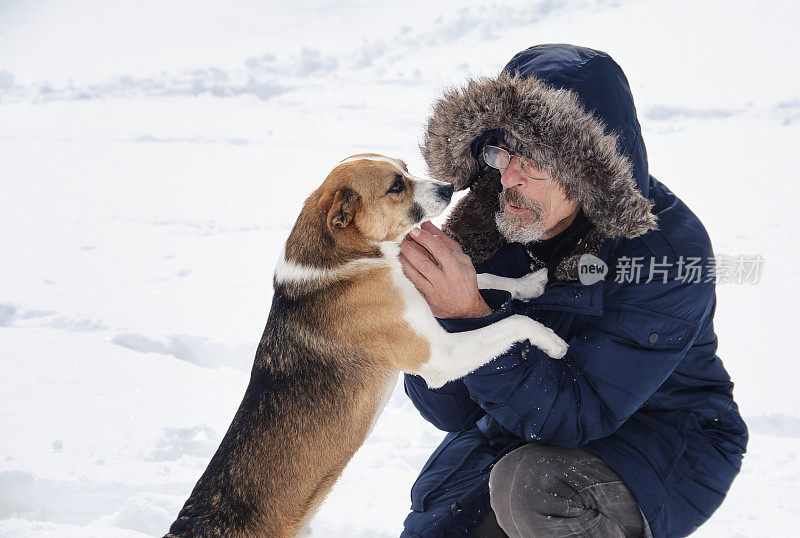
(635, 431)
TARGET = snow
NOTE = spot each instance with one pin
(153, 156)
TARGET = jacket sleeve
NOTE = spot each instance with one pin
(615, 362)
(450, 407)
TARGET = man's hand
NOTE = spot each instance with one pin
(444, 275)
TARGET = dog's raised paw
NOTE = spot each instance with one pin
(531, 285)
(548, 341)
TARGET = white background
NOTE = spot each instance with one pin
(153, 156)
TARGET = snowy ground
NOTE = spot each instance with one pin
(153, 156)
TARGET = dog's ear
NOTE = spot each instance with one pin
(337, 212)
(343, 208)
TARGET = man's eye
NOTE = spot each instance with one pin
(397, 186)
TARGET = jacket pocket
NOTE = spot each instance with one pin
(652, 330)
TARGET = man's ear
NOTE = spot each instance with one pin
(343, 208)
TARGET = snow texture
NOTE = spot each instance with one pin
(153, 156)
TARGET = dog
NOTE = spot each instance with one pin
(344, 322)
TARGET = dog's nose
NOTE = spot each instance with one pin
(445, 191)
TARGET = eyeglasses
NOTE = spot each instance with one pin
(500, 158)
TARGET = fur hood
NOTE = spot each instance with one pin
(569, 109)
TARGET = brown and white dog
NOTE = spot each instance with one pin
(344, 321)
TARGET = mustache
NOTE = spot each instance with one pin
(515, 198)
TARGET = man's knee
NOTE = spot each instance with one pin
(554, 491)
(529, 479)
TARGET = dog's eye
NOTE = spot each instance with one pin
(397, 186)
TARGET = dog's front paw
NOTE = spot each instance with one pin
(548, 341)
(531, 285)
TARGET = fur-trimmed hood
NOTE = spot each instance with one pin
(568, 108)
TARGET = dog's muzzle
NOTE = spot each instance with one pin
(433, 197)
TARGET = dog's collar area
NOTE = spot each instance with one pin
(292, 272)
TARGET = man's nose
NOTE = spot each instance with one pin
(512, 176)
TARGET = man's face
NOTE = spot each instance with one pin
(532, 209)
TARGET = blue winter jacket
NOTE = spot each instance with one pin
(641, 385)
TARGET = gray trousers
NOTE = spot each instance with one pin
(558, 492)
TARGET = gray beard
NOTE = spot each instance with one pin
(516, 229)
